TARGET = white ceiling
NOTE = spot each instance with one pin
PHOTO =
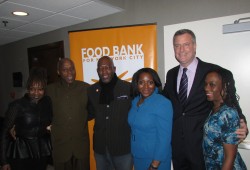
(47, 15)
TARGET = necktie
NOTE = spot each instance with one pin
(183, 87)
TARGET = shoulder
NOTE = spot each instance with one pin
(172, 74)
(46, 99)
(228, 116)
(52, 86)
(203, 64)
(81, 83)
(93, 89)
(123, 83)
(94, 86)
(173, 70)
(228, 112)
(135, 100)
(17, 102)
(162, 99)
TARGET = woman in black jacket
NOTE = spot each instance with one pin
(30, 116)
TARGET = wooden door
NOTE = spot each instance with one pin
(47, 56)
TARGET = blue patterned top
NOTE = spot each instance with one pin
(220, 128)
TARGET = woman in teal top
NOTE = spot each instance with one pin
(220, 141)
(150, 119)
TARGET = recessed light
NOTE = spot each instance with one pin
(20, 13)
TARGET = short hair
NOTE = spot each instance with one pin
(61, 61)
(37, 75)
(231, 98)
(135, 79)
(185, 31)
(107, 57)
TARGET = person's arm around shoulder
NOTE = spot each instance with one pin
(90, 107)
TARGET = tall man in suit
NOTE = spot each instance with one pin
(70, 136)
(190, 115)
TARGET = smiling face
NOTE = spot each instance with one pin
(184, 48)
(146, 85)
(213, 88)
(105, 69)
(67, 71)
(36, 91)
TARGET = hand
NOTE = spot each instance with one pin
(151, 168)
(6, 167)
(242, 131)
(154, 165)
(13, 132)
(49, 128)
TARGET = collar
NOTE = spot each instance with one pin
(65, 84)
(153, 94)
(191, 68)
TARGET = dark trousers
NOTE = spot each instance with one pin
(187, 153)
(29, 164)
(73, 164)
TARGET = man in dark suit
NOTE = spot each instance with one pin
(109, 102)
(190, 114)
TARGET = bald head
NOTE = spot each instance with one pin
(63, 60)
(105, 69)
(107, 58)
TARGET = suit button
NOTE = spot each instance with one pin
(183, 114)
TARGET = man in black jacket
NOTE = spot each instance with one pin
(109, 102)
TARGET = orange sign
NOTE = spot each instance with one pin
(131, 48)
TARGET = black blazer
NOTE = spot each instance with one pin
(196, 104)
(111, 127)
(189, 119)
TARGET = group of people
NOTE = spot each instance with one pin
(195, 121)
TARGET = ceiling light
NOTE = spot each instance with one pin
(20, 13)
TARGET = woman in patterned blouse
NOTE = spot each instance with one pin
(220, 143)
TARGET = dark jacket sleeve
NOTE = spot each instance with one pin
(164, 91)
(90, 107)
(7, 125)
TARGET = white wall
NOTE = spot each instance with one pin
(231, 51)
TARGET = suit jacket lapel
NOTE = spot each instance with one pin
(175, 82)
